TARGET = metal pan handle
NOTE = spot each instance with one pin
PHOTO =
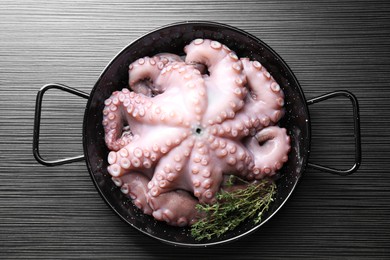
(37, 124)
(356, 120)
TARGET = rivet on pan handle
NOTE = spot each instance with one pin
(37, 124)
(356, 119)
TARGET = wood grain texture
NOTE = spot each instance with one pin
(56, 213)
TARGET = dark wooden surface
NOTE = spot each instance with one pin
(50, 213)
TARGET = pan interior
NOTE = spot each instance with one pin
(172, 39)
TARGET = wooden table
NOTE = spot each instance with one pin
(50, 213)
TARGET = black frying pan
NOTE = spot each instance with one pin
(173, 38)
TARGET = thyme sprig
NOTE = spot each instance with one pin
(233, 207)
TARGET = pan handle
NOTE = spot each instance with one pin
(356, 120)
(37, 124)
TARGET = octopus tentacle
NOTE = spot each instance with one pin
(134, 185)
(270, 148)
(264, 104)
(266, 96)
(166, 57)
(127, 115)
(144, 155)
(239, 160)
(168, 171)
(185, 83)
(181, 81)
(205, 174)
(242, 125)
(177, 208)
(117, 132)
(144, 72)
(204, 51)
(226, 81)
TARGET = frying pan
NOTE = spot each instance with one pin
(172, 38)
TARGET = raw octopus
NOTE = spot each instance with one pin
(185, 123)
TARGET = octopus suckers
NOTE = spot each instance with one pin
(141, 61)
(147, 164)
(163, 150)
(257, 65)
(163, 184)
(136, 162)
(107, 102)
(280, 102)
(215, 45)
(117, 181)
(138, 152)
(239, 81)
(160, 65)
(114, 170)
(232, 161)
(168, 142)
(267, 74)
(222, 153)
(154, 191)
(198, 110)
(178, 167)
(171, 176)
(204, 162)
(237, 91)
(111, 116)
(206, 173)
(233, 56)
(125, 163)
(186, 152)
(275, 87)
(111, 157)
(126, 102)
(200, 145)
(195, 170)
(202, 92)
(207, 184)
(198, 41)
(222, 143)
(208, 194)
(125, 189)
(197, 193)
(237, 66)
(130, 109)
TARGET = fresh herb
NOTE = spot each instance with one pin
(233, 207)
